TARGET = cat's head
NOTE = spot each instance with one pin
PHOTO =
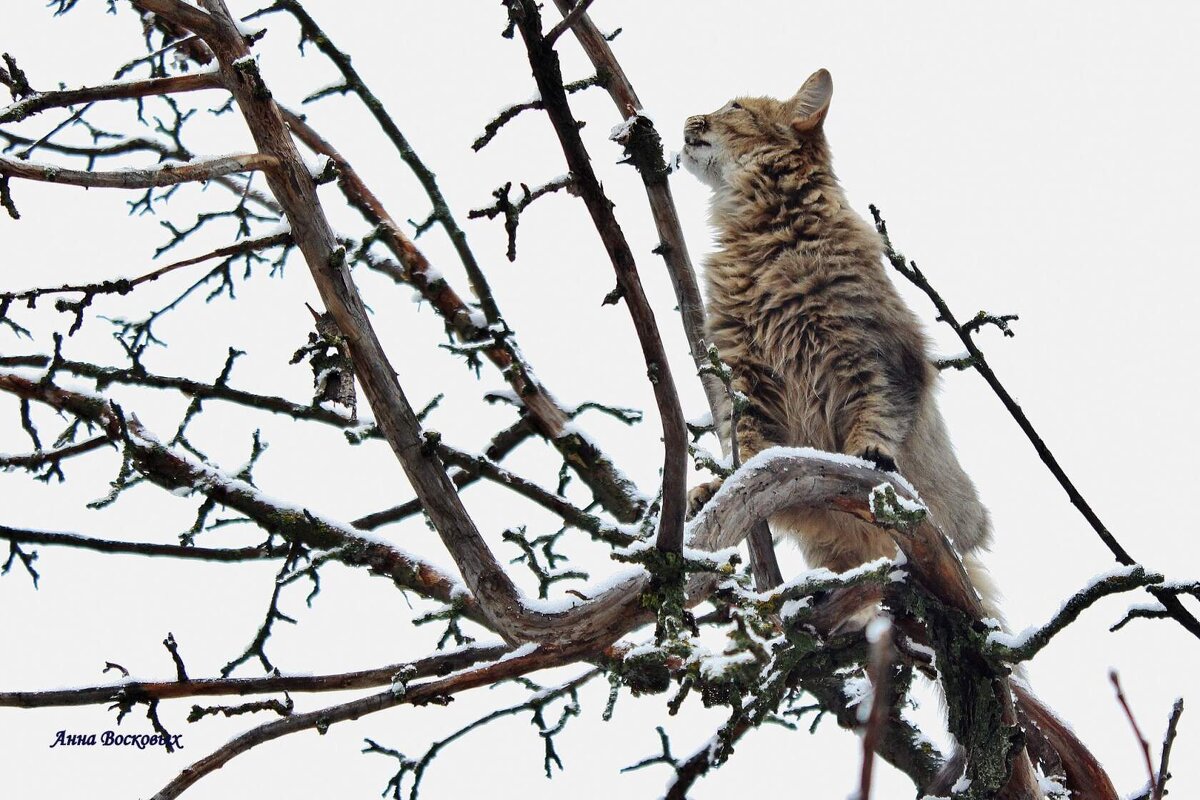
(717, 145)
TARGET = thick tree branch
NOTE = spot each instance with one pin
(328, 264)
(643, 146)
(548, 75)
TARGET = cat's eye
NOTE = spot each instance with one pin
(735, 106)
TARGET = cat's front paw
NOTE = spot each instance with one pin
(700, 495)
(882, 459)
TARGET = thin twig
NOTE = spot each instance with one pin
(1168, 742)
(1143, 745)
(879, 633)
(125, 285)
(551, 502)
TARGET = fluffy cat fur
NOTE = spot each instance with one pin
(800, 307)
(818, 339)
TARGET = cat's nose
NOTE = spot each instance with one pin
(697, 124)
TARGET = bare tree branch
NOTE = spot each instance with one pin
(125, 90)
(643, 147)
(165, 175)
(434, 691)
(548, 75)
(78, 542)
(615, 492)
(169, 469)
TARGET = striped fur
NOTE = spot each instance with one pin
(801, 308)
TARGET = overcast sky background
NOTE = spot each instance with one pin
(1033, 158)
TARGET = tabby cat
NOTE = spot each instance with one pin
(800, 307)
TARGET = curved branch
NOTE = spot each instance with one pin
(548, 75)
(1026, 645)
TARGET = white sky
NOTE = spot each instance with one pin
(1033, 158)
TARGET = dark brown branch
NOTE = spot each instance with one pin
(548, 75)
(512, 211)
(910, 271)
(165, 175)
(140, 691)
(216, 554)
(547, 500)
(501, 445)
(126, 285)
(127, 90)
(434, 691)
(43, 457)
(509, 113)
(329, 266)
(644, 148)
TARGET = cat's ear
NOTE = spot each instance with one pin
(811, 103)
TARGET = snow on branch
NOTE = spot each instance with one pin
(1025, 645)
